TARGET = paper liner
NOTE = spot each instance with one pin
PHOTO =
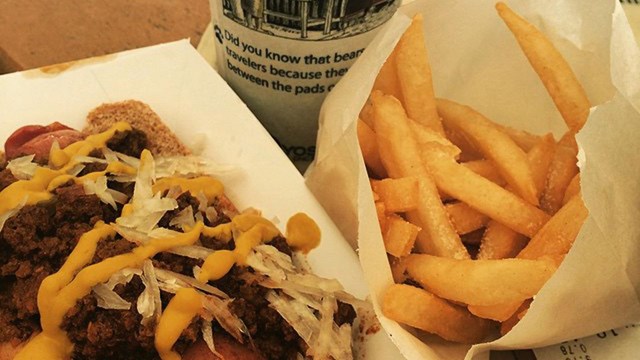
(476, 61)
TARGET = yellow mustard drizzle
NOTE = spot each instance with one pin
(60, 291)
(36, 189)
(112, 167)
(62, 157)
(53, 309)
(52, 342)
(223, 232)
(177, 316)
(302, 233)
(211, 187)
(254, 230)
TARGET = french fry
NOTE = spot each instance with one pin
(424, 134)
(464, 218)
(398, 269)
(399, 195)
(418, 308)
(468, 151)
(485, 169)
(374, 185)
(382, 215)
(499, 312)
(572, 190)
(540, 157)
(524, 139)
(500, 242)
(509, 186)
(480, 282)
(400, 156)
(366, 113)
(505, 312)
(562, 169)
(369, 149)
(553, 70)
(387, 79)
(414, 76)
(496, 146)
(551, 243)
(508, 324)
(481, 194)
(559, 233)
(400, 236)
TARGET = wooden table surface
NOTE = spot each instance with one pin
(36, 33)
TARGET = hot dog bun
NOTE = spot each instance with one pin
(162, 141)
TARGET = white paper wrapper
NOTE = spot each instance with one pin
(194, 101)
(476, 61)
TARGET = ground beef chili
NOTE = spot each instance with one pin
(128, 142)
(36, 241)
(6, 178)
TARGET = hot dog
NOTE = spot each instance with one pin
(114, 249)
(37, 140)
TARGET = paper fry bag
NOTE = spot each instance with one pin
(476, 61)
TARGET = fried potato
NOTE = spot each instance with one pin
(562, 169)
(500, 242)
(424, 134)
(481, 194)
(387, 79)
(369, 149)
(485, 169)
(418, 308)
(512, 195)
(551, 243)
(554, 71)
(499, 312)
(480, 282)
(366, 113)
(559, 233)
(494, 144)
(399, 236)
(398, 195)
(398, 269)
(468, 151)
(540, 157)
(522, 138)
(381, 212)
(572, 190)
(464, 218)
(414, 76)
(508, 324)
(401, 157)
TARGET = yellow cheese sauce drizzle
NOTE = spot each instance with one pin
(60, 291)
